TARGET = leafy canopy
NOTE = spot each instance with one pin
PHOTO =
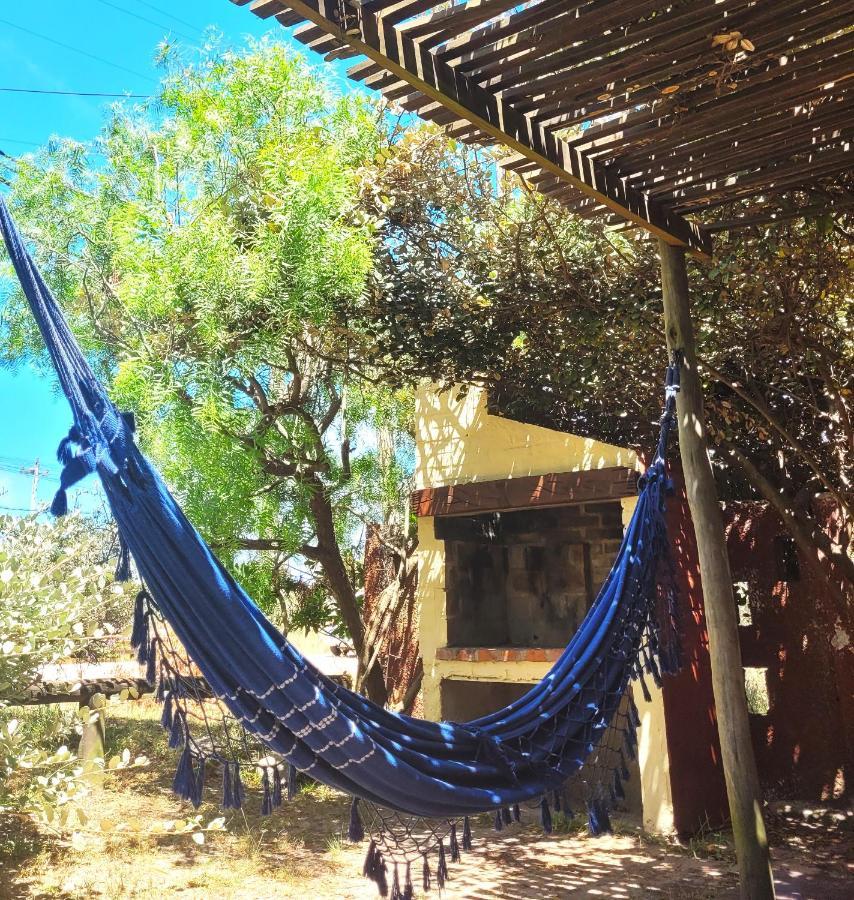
(202, 249)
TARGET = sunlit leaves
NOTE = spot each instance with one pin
(57, 594)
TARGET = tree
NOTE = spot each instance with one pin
(489, 283)
(202, 249)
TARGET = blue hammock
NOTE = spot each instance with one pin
(520, 753)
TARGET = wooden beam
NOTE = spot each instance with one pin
(528, 492)
(739, 764)
(377, 38)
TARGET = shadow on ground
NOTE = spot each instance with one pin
(300, 852)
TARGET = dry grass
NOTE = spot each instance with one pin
(301, 852)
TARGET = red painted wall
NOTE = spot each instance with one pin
(697, 782)
(805, 744)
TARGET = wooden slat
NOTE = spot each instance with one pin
(534, 491)
(379, 40)
(575, 89)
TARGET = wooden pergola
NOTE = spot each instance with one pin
(679, 117)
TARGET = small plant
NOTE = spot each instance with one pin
(58, 600)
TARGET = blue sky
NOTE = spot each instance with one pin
(94, 46)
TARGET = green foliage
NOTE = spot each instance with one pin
(57, 594)
(489, 283)
(58, 600)
(203, 248)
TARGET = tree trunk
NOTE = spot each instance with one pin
(739, 764)
(329, 556)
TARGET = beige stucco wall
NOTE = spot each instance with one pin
(457, 442)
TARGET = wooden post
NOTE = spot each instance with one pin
(92, 738)
(739, 764)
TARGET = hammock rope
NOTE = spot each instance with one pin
(398, 769)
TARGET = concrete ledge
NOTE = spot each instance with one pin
(499, 654)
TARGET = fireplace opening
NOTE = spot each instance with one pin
(463, 700)
(525, 578)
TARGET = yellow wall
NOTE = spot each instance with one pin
(458, 442)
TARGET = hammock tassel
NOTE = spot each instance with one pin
(277, 787)
(517, 813)
(442, 868)
(184, 779)
(408, 890)
(227, 790)
(176, 734)
(267, 798)
(375, 869)
(625, 774)
(368, 865)
(498, 824)
(139, 634)
(556, 801)
(198, 784)
(598, 822)
(65, 451)
(166, 715)
(506, 817)
(237, 787)
(293, 787)
(631, 740)
(466, 834)
(545, 816)
(425, 874)
(356, 831)
(454, 843)
(151, 665)
(123, 565)
(382, 876)
(395, 886)
(644, 689)
(59, 507)
(634, 715)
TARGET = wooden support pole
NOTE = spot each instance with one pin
(739, 764)
(91, 748)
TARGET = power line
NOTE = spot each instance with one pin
(77, 50)
(169, 15)
(6, 140)
(17, 90)
(128, 12)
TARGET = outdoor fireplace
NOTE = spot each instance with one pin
(525, 578)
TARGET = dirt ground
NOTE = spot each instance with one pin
(125, 852)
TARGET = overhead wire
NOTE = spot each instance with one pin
(121, 96)
(73, 49)
(169, 15)
(128, 12)
(7, 140)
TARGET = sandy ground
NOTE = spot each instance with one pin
(123, 852)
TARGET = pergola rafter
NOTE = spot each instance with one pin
(627, 107)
